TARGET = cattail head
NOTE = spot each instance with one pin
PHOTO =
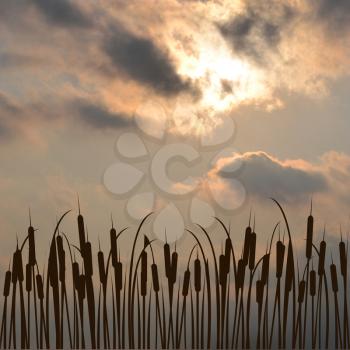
(31, 243)
(14, 277)
(334, 278)
(186, 283)
(321, 258)
(289, 268)
(87, 255)
(259, 291)
(280, 250)
(18, 265)
(167, 260)
(155, 277)
(114, 249)
(222, 270)
(312, 282)
(81, 229)
(61, 258)
(81, 286)
(40, 287)
(252, 249)
(343, 259)
(119, 275)
(28, 277)
(144, 263)
(309, 234)
(265, 268)
(240, 273)
(246, 245)
(301, 291)
(52, 266)
(75, 269)
(7, 284)
(197, 275)
(101, 267)
(228, 247)
(173, 268)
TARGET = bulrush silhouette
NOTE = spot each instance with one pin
(149, 303)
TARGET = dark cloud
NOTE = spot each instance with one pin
(144, 62)
(265, 176)
(100, 118)
(63, 12)
(335, 14)
(258, 29)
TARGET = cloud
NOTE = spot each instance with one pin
(100, 118)
(140, 59)
(265, 176)
(63, 12)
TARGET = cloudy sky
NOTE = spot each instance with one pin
(73, 75)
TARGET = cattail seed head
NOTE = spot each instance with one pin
(61, 258)
(143, 288)
(259, 291)
(173, 268)
(309, 234)
(144, 264)
(343, 258)
(228, 246)
(334, 278)
(19, 265)
(114, 250)
(312, 282)
(155, 277)
(321, 259)
(101, 267)
(240, 273)
(87, 255)
(7, 284)
(197, 275)
(14, 269)
(81, 289)
(301, 292)
(28, 277)
(252, 251)
(167, 261)
(222, 270)
(31, 243)
(265, 268)
(186, 283)
(81, 231)
(119, 275)
(246, 246)
(289, 268)
(52, 266)
(40, 287)
(75, 269)
(280, 250)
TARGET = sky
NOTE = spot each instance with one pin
(258, 91)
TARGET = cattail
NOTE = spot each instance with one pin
(246, 246)
(61, 258)
(240, 273)
(119, 275)
(87, 255)
(222, 270)
(14, 269)
(334, 278)
(228, 246)
(113, 238)
(289, 268)
(252, 250)
(301, 293)
(52, 266)
(322, 256)
(265, 268)
(309, 234)
(186, 283)
(197, 275)
(155, 278)
(173, 268)
(280, 250)
(167, 261)
(31, 242)
(28, 277)
(313, 282)
(40, 287)
(7, 284)
(259, 291)
(81, 289)
(343, 259)
(101, 267)
(81, 229)
(144, 263)
(143, 289)
(75, 268)
(19, 265)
